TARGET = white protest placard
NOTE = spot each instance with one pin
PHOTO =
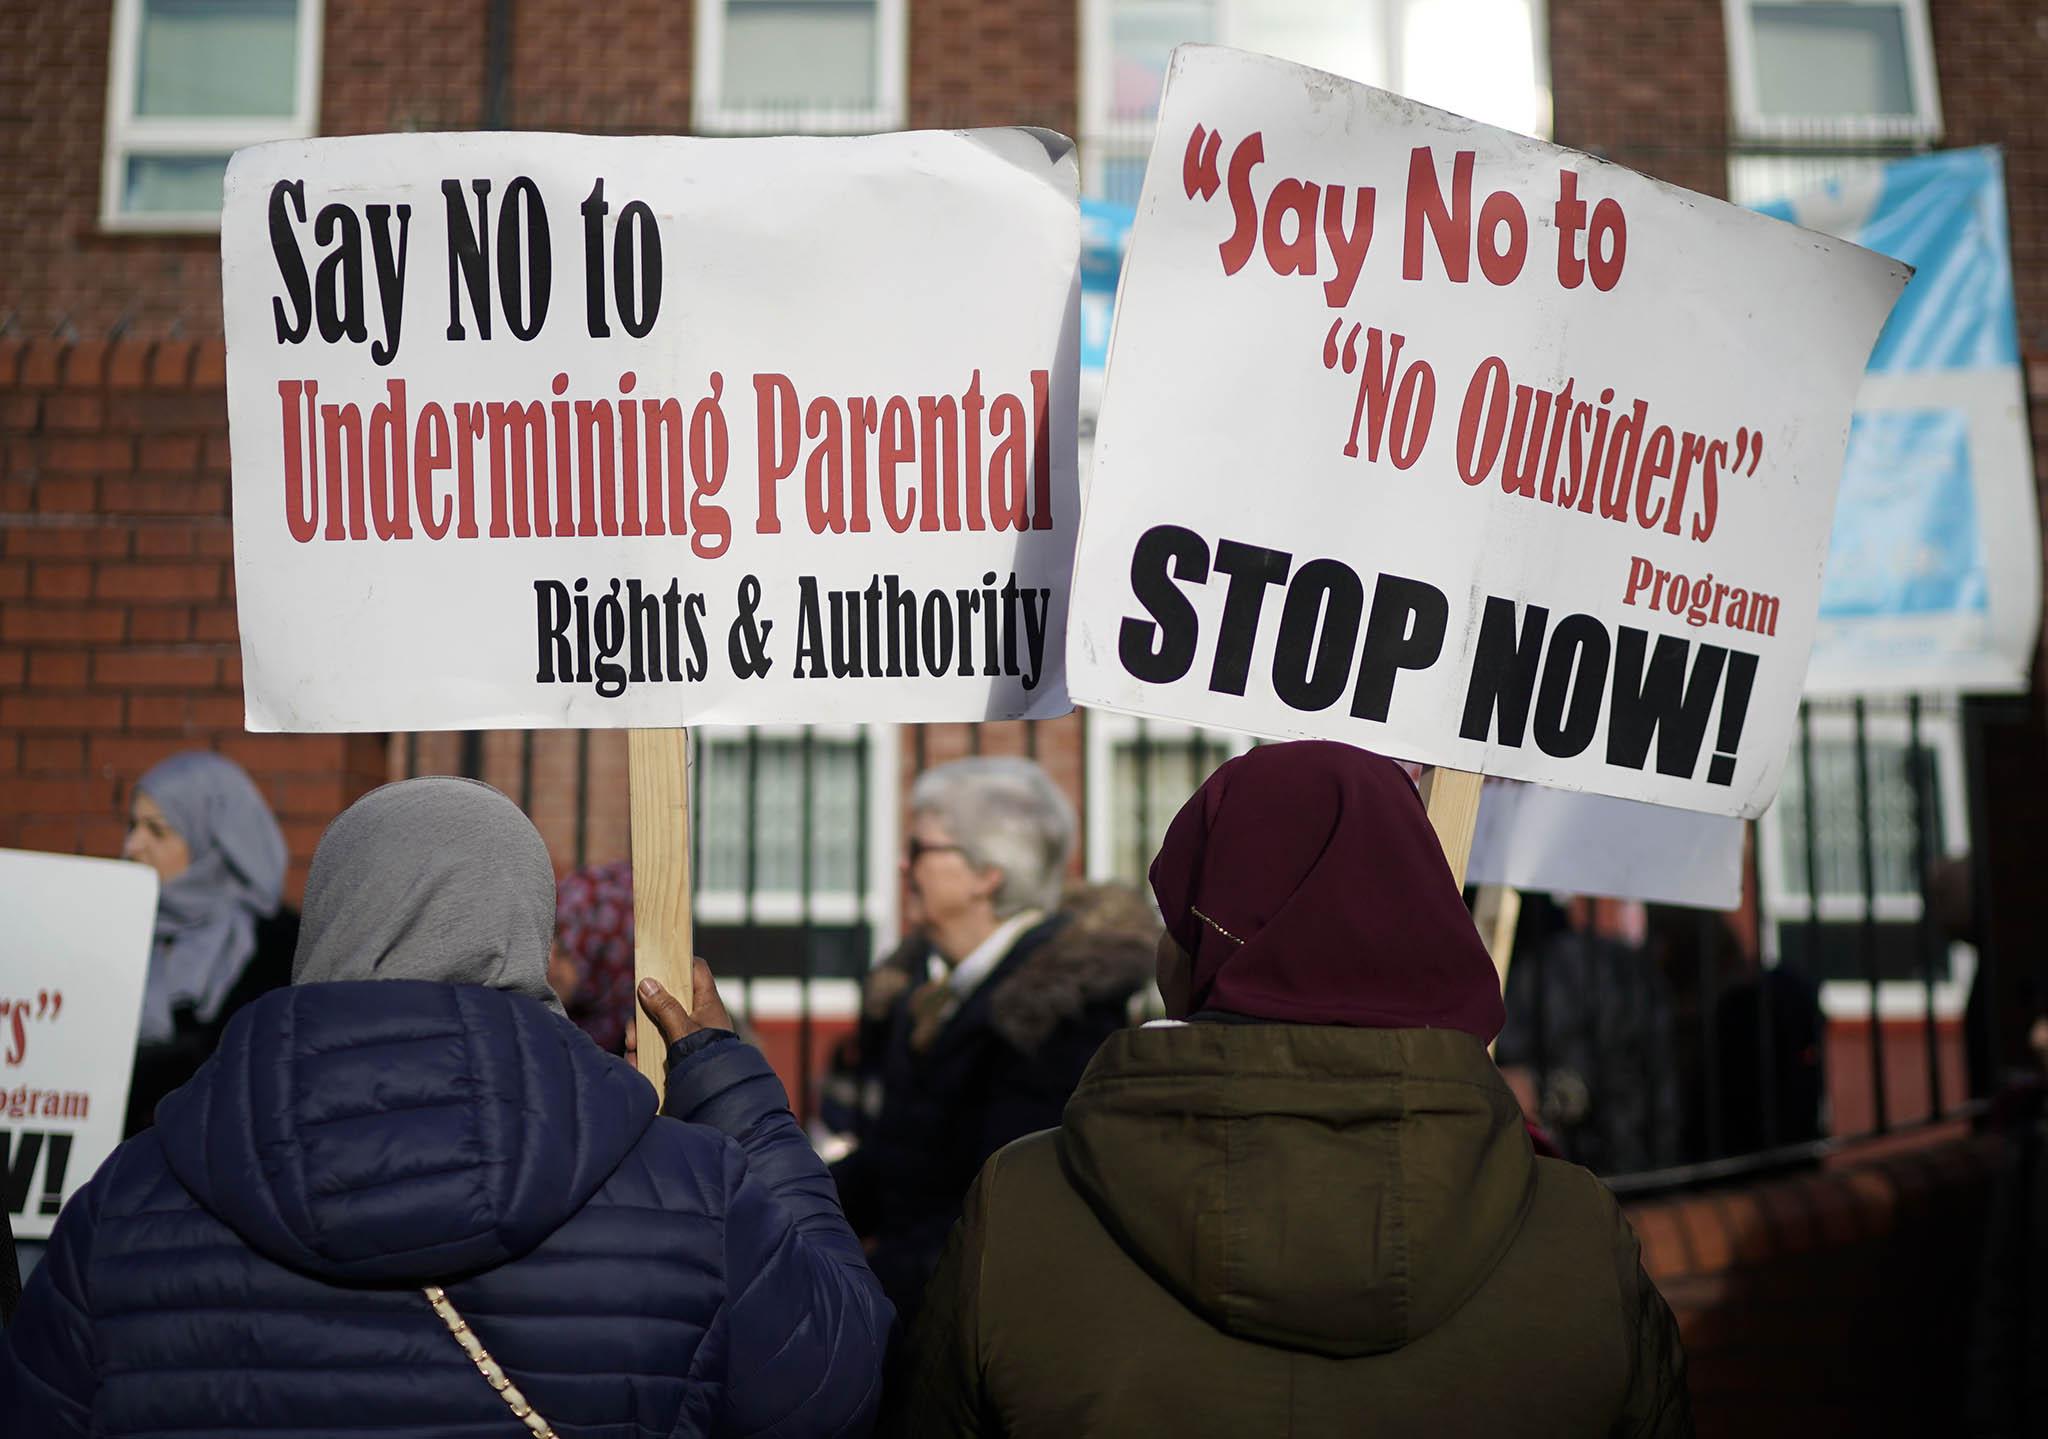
(72, 963)
(561, 431)
(1463, 447)
(1537, 838)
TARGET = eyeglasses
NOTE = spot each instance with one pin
(917, 849)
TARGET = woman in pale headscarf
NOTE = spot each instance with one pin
(222, 937)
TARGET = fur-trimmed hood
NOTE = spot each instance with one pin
(1104, 951)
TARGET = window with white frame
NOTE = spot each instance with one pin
(189, 83)
(794, 840)
(1140, 772)
(1125, 47)
(1826, 940)
(804, 66)
(1809, 74)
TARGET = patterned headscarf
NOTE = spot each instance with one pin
(206, 917)
(594, 931)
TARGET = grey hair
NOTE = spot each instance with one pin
(1004, 813)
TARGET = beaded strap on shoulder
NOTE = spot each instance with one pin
(487, 1366)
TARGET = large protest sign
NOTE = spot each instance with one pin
(1934, 568)
(545, 430)
(72, 963)
(1440, 440)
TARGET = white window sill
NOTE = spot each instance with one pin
(164, 224)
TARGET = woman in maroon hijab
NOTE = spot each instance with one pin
(1305, 1203)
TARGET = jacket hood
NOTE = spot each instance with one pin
(1341, 1191)
(399, 1131)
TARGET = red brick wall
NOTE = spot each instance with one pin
(392, 65)
(117, 620)
(973, 63)
(386, 65)
(1644, 82)
(622, 67)
(1834, 1302)
(64, 276)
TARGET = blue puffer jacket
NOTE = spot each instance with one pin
(253, 1264)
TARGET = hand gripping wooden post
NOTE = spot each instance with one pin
(658, 777)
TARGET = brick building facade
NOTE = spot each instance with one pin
(117, 622)
(118, 643)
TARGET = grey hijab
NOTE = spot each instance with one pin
(206, 917)
(434, 878)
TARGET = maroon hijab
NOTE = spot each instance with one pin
(1308, 885)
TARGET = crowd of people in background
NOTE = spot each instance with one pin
(1231, 1157)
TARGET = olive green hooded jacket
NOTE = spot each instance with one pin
(1262, 1230)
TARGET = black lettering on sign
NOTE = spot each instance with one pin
(1504, 667)
(1661, 702)
(1406, 632)
(1160, 650)
(20, 1149)
(1657, 690)
(1318, 628)
(1317, 642)
(1251, 569)
(1574, 674)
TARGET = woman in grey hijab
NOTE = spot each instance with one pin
(397, 892)
(407, 1197)
(221, 937)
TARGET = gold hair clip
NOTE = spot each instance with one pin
(1214, 925)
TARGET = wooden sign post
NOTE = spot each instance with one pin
(658, 769)
(1452, 798)
(1496, 911)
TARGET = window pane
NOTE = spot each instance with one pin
(1838, 825)
(1150, 779)
(1142, 34)
(217, 58)
(1123, 177)
(174, 184)
(800, 55)
(778, 830)
(1828, 61)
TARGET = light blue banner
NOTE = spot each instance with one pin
(1105, 235)
(1933, 579)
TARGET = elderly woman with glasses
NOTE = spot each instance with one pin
(1013, 987)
